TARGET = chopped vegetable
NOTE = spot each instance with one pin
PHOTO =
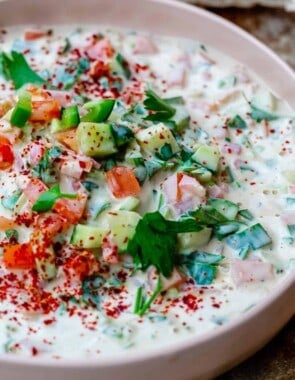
(155, 241)
(161, 110)
(237, 123)
(99, 110)
(122, 182)
(22, 110)
(46, 200)
(254, 237)
(201, 266)
(6, 153)
(70, 117)
(18, 256)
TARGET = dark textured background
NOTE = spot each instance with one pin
(276, 28)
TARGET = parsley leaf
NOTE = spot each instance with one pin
(44, 169)
(162, 110)
(16, 68)
(46, 200)
(155, 241)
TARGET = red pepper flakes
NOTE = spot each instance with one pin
(190, 301)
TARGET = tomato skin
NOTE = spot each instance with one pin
(68, 138)
(18, 256)
(122, 182)
(34, 189)
(82, 264)
(50, 224)
(71, 209)
(32, 35)
(45, 110)
(44, 106)
(6, 153)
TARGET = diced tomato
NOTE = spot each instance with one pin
(33, 189)
(31, 35)
(122, 182)
(44, 106)
(45, 110)
(6, 153)
(176, 279)
(6, 224)
(37, 150)
(109, 251)
(82, 264)
(183, 192)
(62, 97)
(18, 256)
(51, 224)
(99, 69)
(75, 166)
(100, 50)
(144, 45)
(68, 138)
(71, 209)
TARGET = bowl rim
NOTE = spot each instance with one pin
(137, 356)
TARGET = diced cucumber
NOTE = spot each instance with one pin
(96, 139)
(85, 236)
(127, 204)
(119, 66)
(289, 175)
(190, 241)
(153, 138)
(56, 126)
(207, 156)
(226, 208)
(264, 100)
(122, 226)
(254, 237)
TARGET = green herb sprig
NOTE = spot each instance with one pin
(46, 200)
(17, 69)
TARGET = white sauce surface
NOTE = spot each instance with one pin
(74, 331)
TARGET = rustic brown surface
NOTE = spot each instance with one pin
(276, 361)
(276, 28)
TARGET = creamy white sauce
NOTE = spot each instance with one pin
(91, 333)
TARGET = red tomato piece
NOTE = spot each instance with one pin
(68, 138)
(34, 189)
(18, 256)
(82, 264)
(37, 150)
(122, 182)
(31, 35)
(6, 224)
(6, 153)
(50, 224)
(71, 209)
(44, 106)
(45, 110)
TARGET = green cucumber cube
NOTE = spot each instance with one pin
(153, 138)
(96, 139)
(207, 156)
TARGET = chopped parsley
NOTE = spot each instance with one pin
(46, 200)
(16, 69)
(161, 110)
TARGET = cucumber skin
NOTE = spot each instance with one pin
(96, 139)
(85, 236)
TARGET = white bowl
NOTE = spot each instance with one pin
(212, 353)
